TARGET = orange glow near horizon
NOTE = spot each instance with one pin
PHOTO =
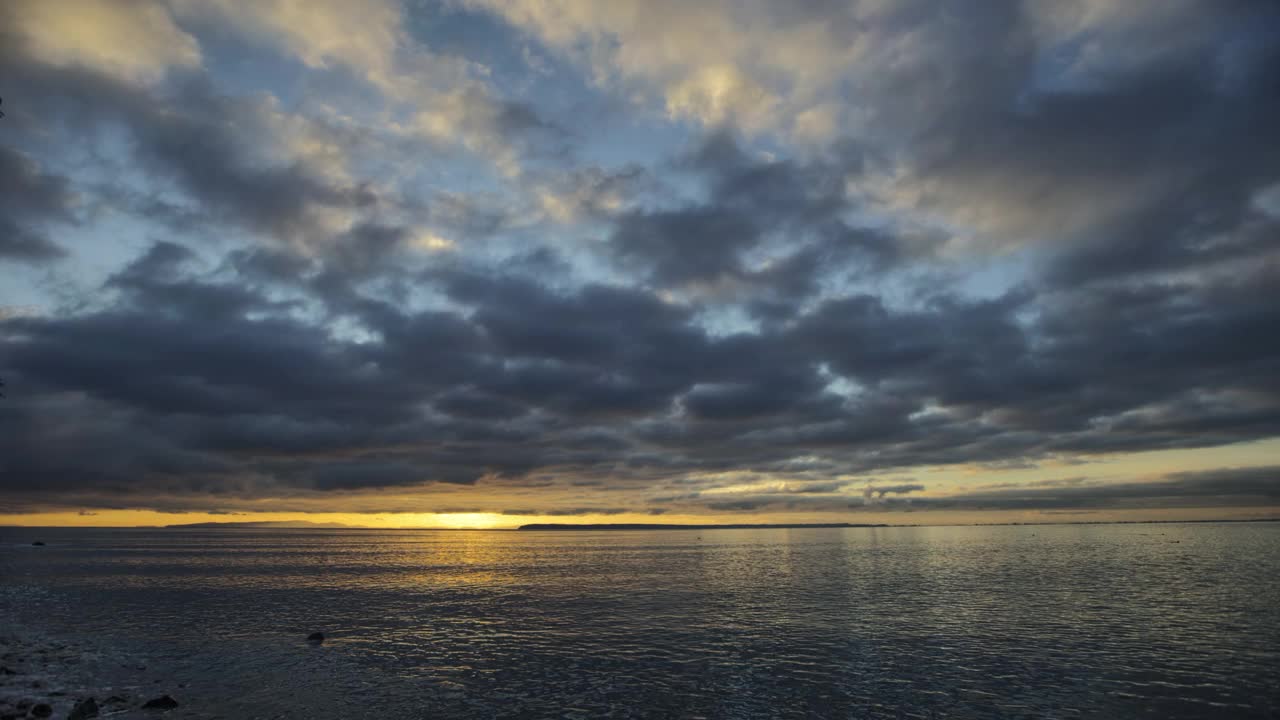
(940, 481)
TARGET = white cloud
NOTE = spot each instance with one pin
(136, 41)
(433, 243)
(754, 64)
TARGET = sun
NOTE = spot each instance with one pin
(467, 521)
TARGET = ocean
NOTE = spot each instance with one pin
(1062, 621)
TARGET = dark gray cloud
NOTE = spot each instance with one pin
(1227, 487)
(224, 382)
(880, 491)
(30, 198)
(696, 243)
(567, 512)
(205, 151)
(1126, 152)
(790, 212)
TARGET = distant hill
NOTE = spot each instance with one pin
(660, 526)
(275, 524)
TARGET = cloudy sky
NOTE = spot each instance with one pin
(482, 262)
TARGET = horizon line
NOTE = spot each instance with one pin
(645, 527)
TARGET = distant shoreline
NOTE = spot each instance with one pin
(712, 526)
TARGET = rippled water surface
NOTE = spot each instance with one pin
(1047, 621)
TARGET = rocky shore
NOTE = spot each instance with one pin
(47, 677)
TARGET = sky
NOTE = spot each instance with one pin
(475, 263)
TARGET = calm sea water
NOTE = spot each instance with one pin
(1049, 621)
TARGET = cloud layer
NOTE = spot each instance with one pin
(661, 258)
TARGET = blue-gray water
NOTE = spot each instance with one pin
(1048, 621)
